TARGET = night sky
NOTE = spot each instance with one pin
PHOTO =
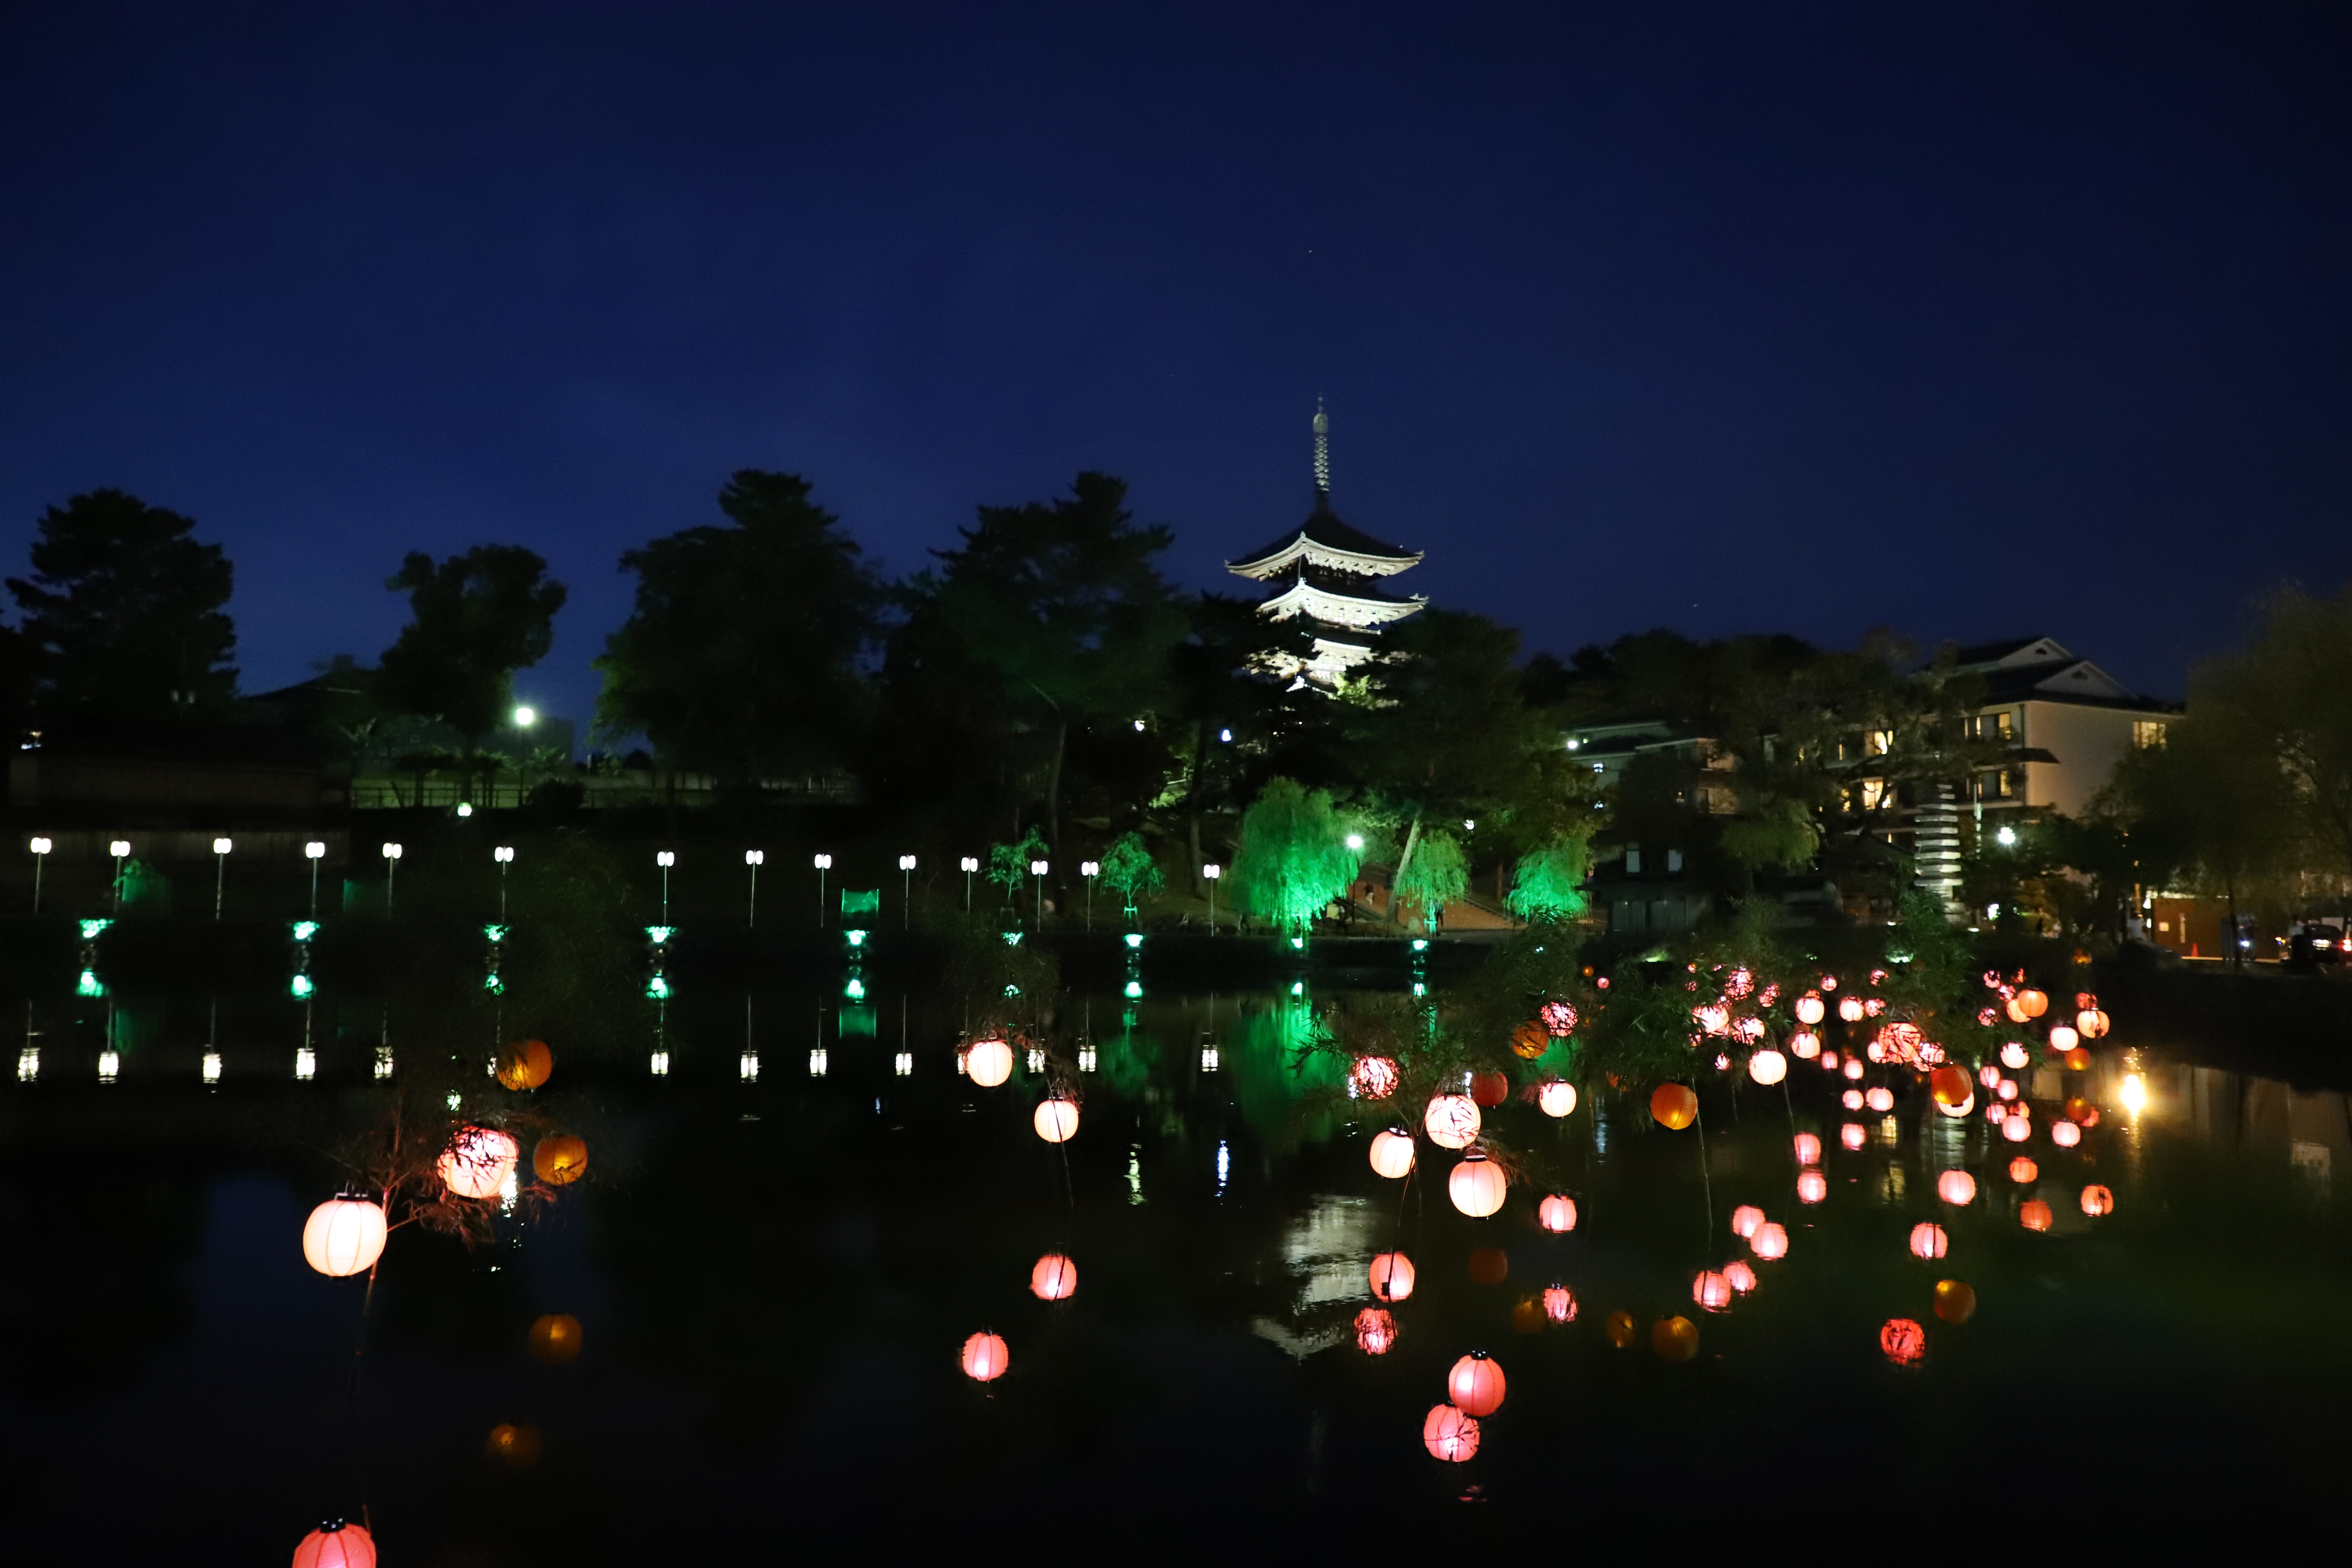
(1973, 319)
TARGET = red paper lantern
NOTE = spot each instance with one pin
(1927, 1240)
(1560, 1304)
(336, 1545)
(1956, 1188)
(1452, 1120)
(1711, 1291)
(1739, 1276)
(1391, 1153)
(1489, 1089)
(1057, 1120)
(1391, 1277)
(1476, 1185)
(1879, 1099)
(1054, 1278)
(1376, 1330)
(1557, 1098)
(2097, 1201)
(1476, 1384)
(477, 1161)
(2023, 1171)
(1904, 1340)
(1745, 1219)
(1850, 1099)
(2035, 1215)
(2016, 1129)
(1450, 1434)
(985, 1357)
(1851, 1135)
(988, 1062)
(344, 1236)
(2065, 1134)
(1811, 1186)
(1557, 1214)
(1809, 1149)
(1769, 1242)
(1674, 1106)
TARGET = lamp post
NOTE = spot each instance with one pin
(1090, 869)
(971, 864)
(1037, 868)
(221, 848)
(41, 847)
(1213, 872)
(905, 892)
(314, 852)
(120, 851)
(504, 854)
(823, 863)
(664, 859)
(391, 875)
(753, 860)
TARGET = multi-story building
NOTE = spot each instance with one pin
(2066, 722)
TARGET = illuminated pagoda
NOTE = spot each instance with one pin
(1323, 588)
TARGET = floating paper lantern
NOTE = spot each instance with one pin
(1804, 1044)
(2023, 1171)
(560, 1158)
(1904, 1340)
(1829, 982)
(2016, 1129)
(1810, 1010)
(1850, 1099)
(1393, 1152)
(1769, 1242)
(988, 1063)
(1476, 1384)
(1450, 1434)
(1767, 1066)
(1557, 1098)
(2013, 1056)
(2097, 1201)
(1055, 1278)
(1851, 1135)
(2006, 1089)
(1557, 1214)
(1391, 1274)
(1849, 1009)
(477, 1161)
(1531, 1041)
(336, 1545)
(525, 1064)
(555, 1338)
(1853, 1069)
(1711, 1291)
(1745, 1219)
(1619, 1328)
(1674, 1338)
(985, 1357)
(344, 1236)
(1955, 1302)
(1375, 1077)
(1927, 1240)
(1956, 1188)
(1376, 1330)
(2065, 1134)
(1452, 1120)
(2033, 1003)
(1057, 1120)
(1560, 1304)
(2091, 1021)
(1987, 1075)
(1809, 1149)
(2063, 1038)
(1879, 1099)
(1489, 1266)
(1489, 1089)
(2035, 1215)
(1811, 1186)
(1476, 1185)
(1674, 1106)
(1739, 1276)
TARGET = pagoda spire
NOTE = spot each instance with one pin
(1322, 458)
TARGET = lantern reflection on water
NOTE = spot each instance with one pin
(477, 1161)
(1811, 1186)
(1391, 1153)
(2098, 1200)
(1557, 1214)
(1055, 1278)
(1489, 1266)
(1904, 1340)
(1476, 1384)
(344, 1236)
(1956, 1188)
(1452, 1120)
(1851, 1135)
(1809, 1149)
(336, 1545)
(516, 1445)
(1739, 1276)
(985, 1357)
(2035, 1215)
(1560, 1304)
(1376, 1330)
(1391, 1276)
(1745, 1219)
(1450, 1434)
(1619, 1327)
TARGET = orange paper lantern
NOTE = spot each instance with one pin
(477, 1161)
(555, 1338)
(1674, 1106)
(2033, 1003)
(2022, 1171)
(2097, 1201)
(1949, 1085)
(344, 1236)
(516, 1445)
(1450, 1434)
(1619, 1328)
(1904, 1340)
(1057, 1120)
(336, 1545)
(1531, 1041)
(560, 1158)
(1476, 1384)
(1927, 1240)
(1391, 1277)
(525, 1064)
(2078, 1060)
(985, 1357)
(1955, 1302)
(1055, 1278)
(1674, 1338)
(2035, 1215)
(1557, 1214)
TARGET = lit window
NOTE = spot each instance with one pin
(2148, 732)
(1878, 742)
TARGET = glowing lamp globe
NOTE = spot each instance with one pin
(344, 1236)
(1711, 1291)
(336, 1545)
(1811, 1186)
(525, 1064)
(985, 1357)
(2016, 1129)
(2065, 1134)
(1476, 1384)
(1956, 1188)
(1767, 1066)
(1557, 1214)
(1391, 1153)
(555, 1338)
(1452, 1120)
(1057, 1120)
(2033, 1003)
(477, 1161)
(1557, 1098)
(2097, 1201)
(2013, 1056)
(1810, 1010)
(1853, 1069)
(1851, 1135)
(1560, 1304)
(988, 1063)
(1955, 1302)
(2035, 1215)
(1927, 1240)
(1673, 1338)
(1745, 1219)
(1450, 1434)
(2091, 1021)
(1055, 1278)
(1489, 1089)
(1376, 1330)
(1809, 1149)
(1739, 1276)
(1804, 1044)
(1850, 1099)
(1879, 1099)
(1375, 1077)
(2023, 1171)
(1476, 1186)
(1903, 1341)
(1769, 1242)
(2063, 1038)
(1392, 1274)
(1849, 1009)
(1674, 1106)
(560, 1158)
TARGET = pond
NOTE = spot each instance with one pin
(787, 1238)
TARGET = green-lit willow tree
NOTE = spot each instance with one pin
(1293, 858)
(1437, 874)
(1549, 884)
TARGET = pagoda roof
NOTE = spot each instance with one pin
(1331, 542)
(1350, 605)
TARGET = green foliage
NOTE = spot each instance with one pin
(125, 614)
(474, 620)
(1293, 858)
(1129, 870)
(1008, 864)
(740, 655)
(1437, 873)
(1549, 884)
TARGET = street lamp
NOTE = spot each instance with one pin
(120, 851)
(822, 863)
(971, 864)
(1356, 843)
(391, 875)
(220, 873)
(1090, 869)
(906, 891)
(1037, 868)
(754, 859)
(525, 717)
(664, 859)
(41, 847)
(314, 852)
(1213, 872)
(504, 854)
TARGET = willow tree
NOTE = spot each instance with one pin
(1549, 885)
(1432, 878)
(1293, 858)
(1129, 870)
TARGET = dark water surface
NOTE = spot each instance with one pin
(774, 1278)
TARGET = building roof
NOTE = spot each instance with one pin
(2010, 653)
(1339, 545)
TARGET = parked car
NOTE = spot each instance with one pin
(2311, 946)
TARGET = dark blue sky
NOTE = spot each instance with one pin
(1971, 318)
